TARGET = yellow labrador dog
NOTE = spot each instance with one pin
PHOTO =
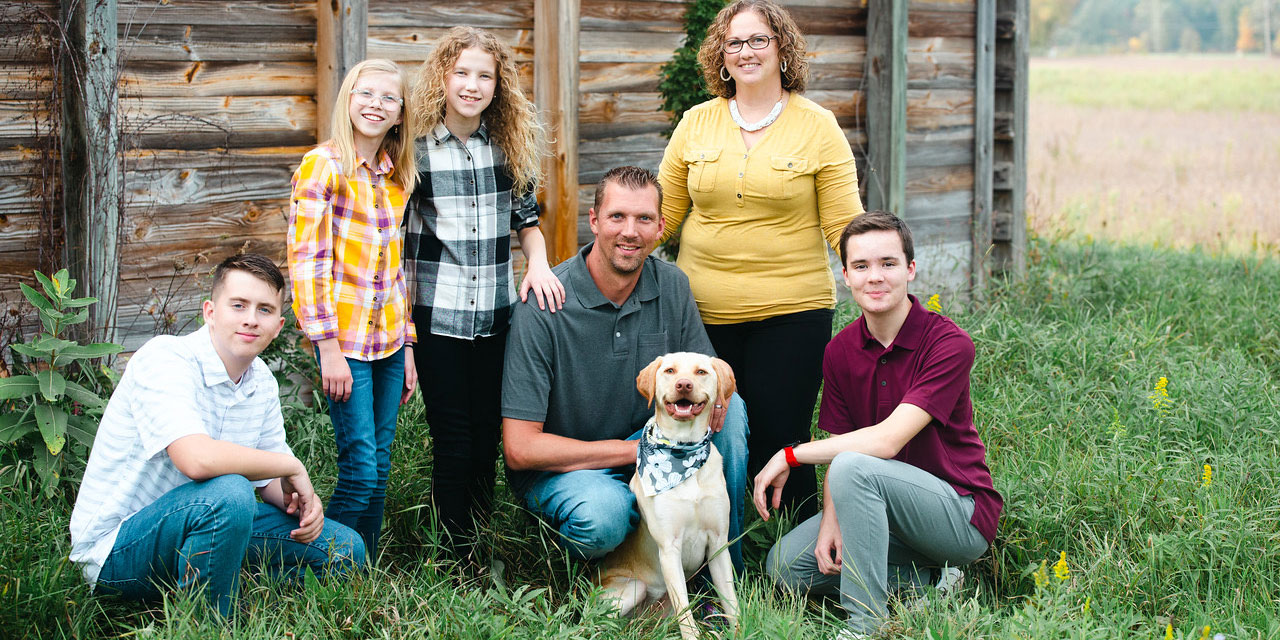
(680, 491)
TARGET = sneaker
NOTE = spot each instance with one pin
(951, 581)
(849, 634)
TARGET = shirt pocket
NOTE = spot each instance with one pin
(702, 169)
(787, 176)
(649, 346)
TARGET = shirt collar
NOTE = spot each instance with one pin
(590, 296)
(385, 164)
(442, 133)
(211, 366)
(908, 335)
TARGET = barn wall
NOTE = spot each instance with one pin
(217, 106)
(30, 184)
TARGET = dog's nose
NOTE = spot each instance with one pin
(684, 385)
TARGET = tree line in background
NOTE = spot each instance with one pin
(1155, 26)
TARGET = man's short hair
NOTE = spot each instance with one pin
(254, 264)
(876, 221)
(634, 178)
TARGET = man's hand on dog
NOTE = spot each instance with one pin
(773, 476)
(717, 415)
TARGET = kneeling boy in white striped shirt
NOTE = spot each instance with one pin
(193, 428)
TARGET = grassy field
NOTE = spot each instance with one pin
(1157, 150)
(1161, 500)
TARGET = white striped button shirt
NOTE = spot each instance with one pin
(172, 387)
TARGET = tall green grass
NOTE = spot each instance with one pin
(1146, 89)
(1089, 462)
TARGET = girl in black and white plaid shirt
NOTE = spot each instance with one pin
(479, 150)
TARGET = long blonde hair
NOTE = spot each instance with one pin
(397, 143)
(511, 118)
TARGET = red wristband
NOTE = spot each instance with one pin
(791, 457)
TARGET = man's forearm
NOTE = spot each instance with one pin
(527, 448)
(200, 457)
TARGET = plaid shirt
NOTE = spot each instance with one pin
(344, 256)
(458, 241)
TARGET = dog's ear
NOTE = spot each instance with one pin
(724, 373)
(647, 379)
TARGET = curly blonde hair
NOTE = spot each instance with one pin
(512, 119)
(397, 143)
(791, 47)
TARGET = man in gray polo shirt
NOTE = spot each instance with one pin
(571, 411)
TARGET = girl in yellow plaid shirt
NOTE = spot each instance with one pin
(348, 289)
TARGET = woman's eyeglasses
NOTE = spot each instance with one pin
(755, 42)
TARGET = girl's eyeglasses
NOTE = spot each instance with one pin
(390, 103)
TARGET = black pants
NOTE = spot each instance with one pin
(461, 383)
(778, 365)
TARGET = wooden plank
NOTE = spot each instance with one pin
(940, 147)
(342, 27)
(627, 46)
(922, 180)
(937, 109)
(25, 80)
(413, 43)
(139, 14)
(231, 121)
(556, 81)
(1002, 175)
(886, 103)
(195, 183)
(485, 14)
(924, 24)
(632, 15)
(28, 30)
(90, 166)
(24, 122)
(616, 114)
(192, 225)
(1018, 241)
(17, 195)
(217, 42)
(944, 215)
(156, 79)
(940, 63)
(983, 139)
(601, 77)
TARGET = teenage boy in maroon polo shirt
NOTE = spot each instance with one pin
(908, 496)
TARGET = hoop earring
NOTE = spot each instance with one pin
(724, 71)
(784, 65)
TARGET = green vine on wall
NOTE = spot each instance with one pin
(682, 86)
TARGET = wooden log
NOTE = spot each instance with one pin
(217, 42)
(143, 13)
(940, 63)
(191, 225)
(936, 109)
(604, 77)
(632, 15)
(627, 46)
(342, 27)
(923, 24)
(156, 79)
(940, 179)
(24, 122)
(887, 103)
(179, 185)
(231, 121)
(90, 167)
(413, 43)
(940, 147)
(17, 195)
(941, 216)
(26, 81)
(614, 114)
(485, 14)
(983, 139)
(556, 43)
(19, 230)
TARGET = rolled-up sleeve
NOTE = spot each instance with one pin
(310, 247)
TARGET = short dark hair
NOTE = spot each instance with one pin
(254, 264)
(634, 178)
(876, 221)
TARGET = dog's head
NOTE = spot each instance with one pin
(684, 384)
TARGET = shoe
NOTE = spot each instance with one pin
(849, 634)
(951, 581)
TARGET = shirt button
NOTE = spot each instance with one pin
(473, 229)
(473, 205)
(739, 174)
(473, 303)
(375, 277)
(739, 196)
(617, 334)
(371, 323)
(882, 360)
(473, 277)
(884, 383)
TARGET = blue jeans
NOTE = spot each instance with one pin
(594, 510)
(364, 427)
(200, 534)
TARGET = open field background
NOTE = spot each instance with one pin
(1167, 150)
(1123, 289)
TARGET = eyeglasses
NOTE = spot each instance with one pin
(755, 42)
(389, 103)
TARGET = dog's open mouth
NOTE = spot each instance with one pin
(685, 409)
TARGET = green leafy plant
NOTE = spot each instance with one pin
(681, 85)
(49, 414)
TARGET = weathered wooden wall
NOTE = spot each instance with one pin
(30, 187)
(217, 105)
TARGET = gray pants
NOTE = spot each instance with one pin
(896, 522)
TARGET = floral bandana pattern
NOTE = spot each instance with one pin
(663, 464)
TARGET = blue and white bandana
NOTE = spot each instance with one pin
(663, 464)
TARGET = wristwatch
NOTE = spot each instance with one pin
(789, 452)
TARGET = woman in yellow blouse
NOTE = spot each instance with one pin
(771, 181)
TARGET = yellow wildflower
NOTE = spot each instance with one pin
(1204, 635)
(1085, 609)
(1206, 477)
(1042, 575)
(1159, 396)
(934, 304)
(1060, 567)
(1168, 631)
